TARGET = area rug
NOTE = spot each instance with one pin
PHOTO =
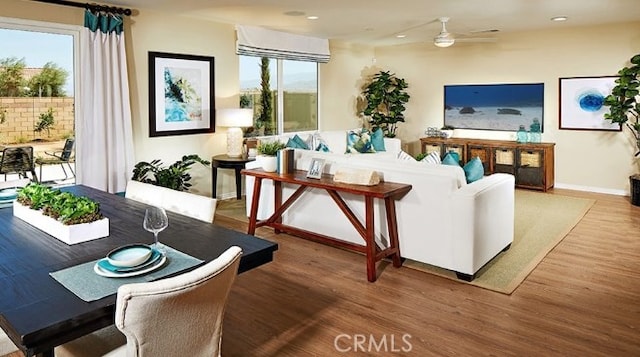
(542, 220)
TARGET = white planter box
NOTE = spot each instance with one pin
(70, 234)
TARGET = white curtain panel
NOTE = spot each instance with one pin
(104, 132)
(260, 42)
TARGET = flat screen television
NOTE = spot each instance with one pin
(493, 106)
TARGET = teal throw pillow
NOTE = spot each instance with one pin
(359, 141)
(377, 138)
(451, 158)
(316, 142)
(297, 143)
(474, 170)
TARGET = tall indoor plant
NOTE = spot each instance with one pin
(624, 109)
(385, 98)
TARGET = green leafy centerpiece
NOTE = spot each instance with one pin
(69, 218)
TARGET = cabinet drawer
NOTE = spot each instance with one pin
(484, 153)
(429, 148)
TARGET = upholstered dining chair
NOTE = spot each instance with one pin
(177, 316)
(185, 203)
(18, 160)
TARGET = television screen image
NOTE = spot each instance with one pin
(493, 106)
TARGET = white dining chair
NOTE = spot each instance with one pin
(177, 316)
(6, 345)
(189, 204)
(144, 192)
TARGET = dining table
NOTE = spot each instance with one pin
(38, 312)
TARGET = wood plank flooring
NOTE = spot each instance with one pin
(314, 300)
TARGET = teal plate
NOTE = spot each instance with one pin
(105, 265)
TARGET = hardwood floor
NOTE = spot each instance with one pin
(314, 300)
(583, 299)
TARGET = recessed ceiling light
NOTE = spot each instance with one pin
(312, 17)
(295, 13)
(559, 18)
(401, 36)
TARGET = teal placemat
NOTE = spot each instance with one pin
(89, 286)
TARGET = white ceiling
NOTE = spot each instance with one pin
(377, 22)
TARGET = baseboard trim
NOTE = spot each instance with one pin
(592, 189)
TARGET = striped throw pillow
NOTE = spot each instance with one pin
(432, 158)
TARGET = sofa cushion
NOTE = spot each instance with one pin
(359, 141)
(403, 156)
(297, 143)
(316, 142)
(451, 158)
(377, 138)
(432, 158)
(473, 170)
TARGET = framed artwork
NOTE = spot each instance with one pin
(582, 103)
(493, 106)
(181, 94)
(315, 168)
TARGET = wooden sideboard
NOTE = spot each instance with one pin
(532, 164)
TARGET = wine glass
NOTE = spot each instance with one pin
(155, 221)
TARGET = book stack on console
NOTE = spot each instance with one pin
(285, 159)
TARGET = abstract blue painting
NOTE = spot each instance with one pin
(582, 103)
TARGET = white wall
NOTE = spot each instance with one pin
(599, 161)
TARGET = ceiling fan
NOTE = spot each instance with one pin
(446, 38)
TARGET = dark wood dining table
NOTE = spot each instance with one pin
(38, 313)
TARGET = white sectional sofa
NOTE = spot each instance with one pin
(442, 221)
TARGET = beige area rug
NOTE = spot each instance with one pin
(541, 221)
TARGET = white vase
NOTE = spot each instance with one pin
(268, 163)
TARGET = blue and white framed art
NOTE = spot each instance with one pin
(582, 103)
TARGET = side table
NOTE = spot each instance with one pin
(228, 162)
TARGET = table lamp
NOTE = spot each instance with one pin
(234, 119)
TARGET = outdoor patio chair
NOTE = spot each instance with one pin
(18, 160)
(59, 157)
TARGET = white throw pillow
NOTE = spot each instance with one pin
(403, 156)
(432, 158)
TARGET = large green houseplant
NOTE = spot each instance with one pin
(175, 177)
(624, 109)
(385, 98)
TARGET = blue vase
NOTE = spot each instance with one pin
(535, 135)
(522, 136)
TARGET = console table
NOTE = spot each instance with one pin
(532, 164)
(387, 191)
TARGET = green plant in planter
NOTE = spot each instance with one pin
(65, 207)
(270, 148)
(624, 108)
(175, 177)
(385, 96)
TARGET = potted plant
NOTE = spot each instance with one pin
(624, 109)
(447, 131)
(69, 218)
(385, 98)
(267, 151)
(175, 177)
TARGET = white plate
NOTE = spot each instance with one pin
(129, 255)
(110, 274)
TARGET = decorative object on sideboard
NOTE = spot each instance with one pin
(356, 176)
(235, 119)
(624, 105)
(385, 97)
(315, 168)
(267, 151)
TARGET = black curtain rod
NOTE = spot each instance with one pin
(92, 7)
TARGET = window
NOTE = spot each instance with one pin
(291, 99)
(37, 81)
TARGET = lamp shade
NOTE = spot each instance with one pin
(235, 117)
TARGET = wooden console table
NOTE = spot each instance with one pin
(387, 191)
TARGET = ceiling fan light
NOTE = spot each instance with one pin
(443, 41)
